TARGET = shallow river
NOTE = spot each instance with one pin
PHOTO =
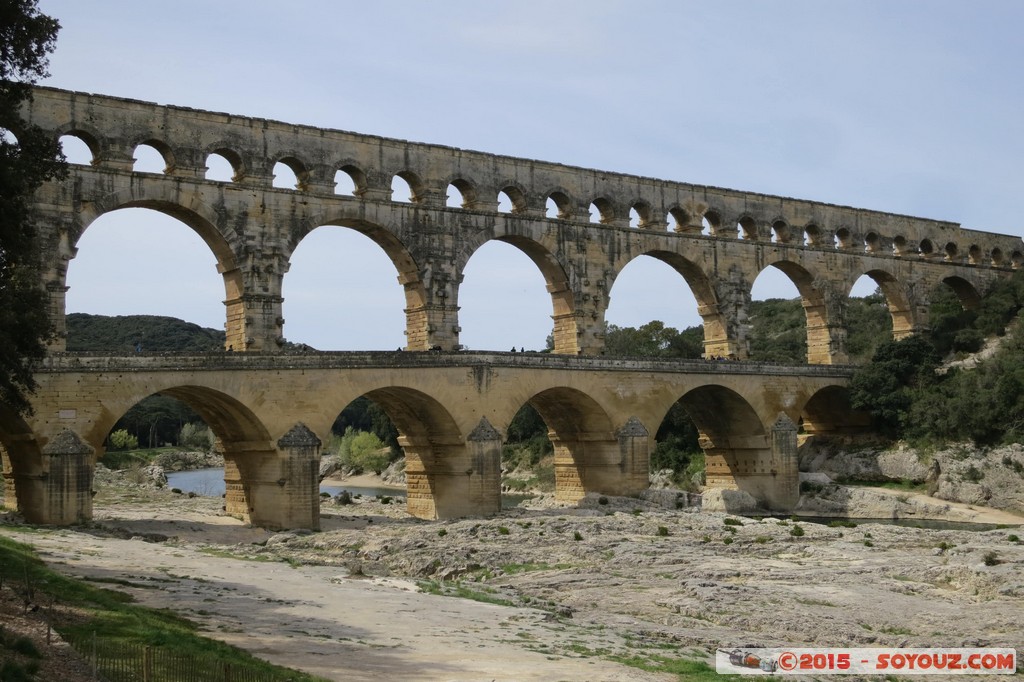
(210, 483)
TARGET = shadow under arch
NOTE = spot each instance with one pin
(828, 413)
(822, 348)
(417, 303)
(896, 299)
(968, 294)
(446, 476)
(201, 219)
(556, 280)
(738, 448)
(716, 326)
(590, 456)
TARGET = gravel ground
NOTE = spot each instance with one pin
(574, 586)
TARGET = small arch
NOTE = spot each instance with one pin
(151, 158)
(711, 222)
(925, 248)
(558, 205)
(899, 245)
(285, 176)
(747, 228)
(678, 219)
(974, 254)
(602, 211)
(872, 243)
(79, 148)
(403, 189)
(997, 257)
(812, 235)
(512, 199)
(780, 232)
(640, 215)
(843, 239)
(1016, 259)
(952, 251)
(461, 194)
(344, 183)
(223, 165)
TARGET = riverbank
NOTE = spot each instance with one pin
(553, 592)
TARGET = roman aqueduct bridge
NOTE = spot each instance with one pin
(270, 408)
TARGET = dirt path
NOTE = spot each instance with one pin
(320, 620)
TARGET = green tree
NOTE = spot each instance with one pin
(885, 387)
(122, 440)
(28, 158)
(654, 340)
(363, 450)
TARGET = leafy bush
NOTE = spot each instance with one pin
(363, 451)
(122, 440)
(796, 531)
(196, 435)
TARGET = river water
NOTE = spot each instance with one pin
(210, 483)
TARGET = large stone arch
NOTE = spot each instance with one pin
(565, 330)
(897, 298)
(718, 339)
(828, 413)
(211, 226)
(418, 319)
(591, 453)
(447, 474)
(740, 451)
(823, 310)
(265, 485)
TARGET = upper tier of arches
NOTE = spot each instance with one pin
(113, 129)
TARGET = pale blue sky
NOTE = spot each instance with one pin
(904, 106)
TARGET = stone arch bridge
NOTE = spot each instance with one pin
(270, 409)
(271, 412)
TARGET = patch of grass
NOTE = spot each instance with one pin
(441, 533)
(762, 539)
(815, 602)
(727, 540)
(577, 536)
(662, 532)
(503, 530)
(732, 522)
(991, 559)
(686, 669)
(463, 592)
(841, 523)
(868, 543)
(796, 531)
(903, 484)
(113, 617)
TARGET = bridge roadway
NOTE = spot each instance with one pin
(272, 412)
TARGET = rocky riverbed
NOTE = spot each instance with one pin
(546, 592)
